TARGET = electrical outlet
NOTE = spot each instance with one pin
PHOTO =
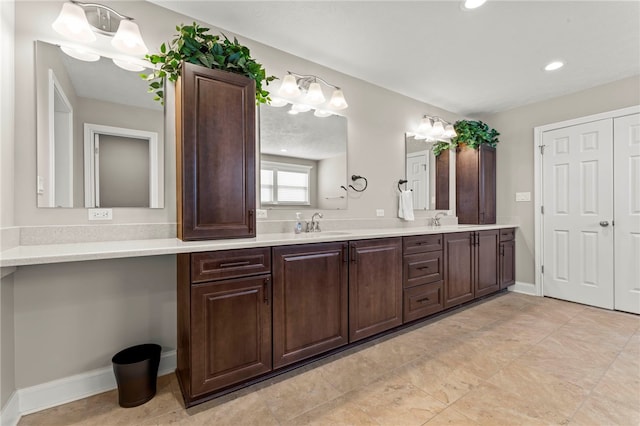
(261, 214)
(380, 212)
(100, 214)
(523, 196)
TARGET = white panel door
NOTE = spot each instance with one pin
(417, 172)
(578, 211)
(626, 178)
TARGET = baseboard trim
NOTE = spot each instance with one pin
(524, 288)
(10, 414)
(68, 389)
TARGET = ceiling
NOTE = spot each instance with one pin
(468, 62)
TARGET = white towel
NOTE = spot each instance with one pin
(405, 205)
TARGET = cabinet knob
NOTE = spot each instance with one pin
(604, 223)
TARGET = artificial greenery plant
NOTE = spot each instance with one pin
(471, 133)
(194, 44)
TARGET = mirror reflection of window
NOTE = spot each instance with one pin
(303, 159)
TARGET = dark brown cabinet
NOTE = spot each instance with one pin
(471, 266)
(476, 185)
(423, 270)
(310, 293)
(507, 258)
(224, 324)
(375, 287)
(215, 127)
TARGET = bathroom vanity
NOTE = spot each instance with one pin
(248, 314)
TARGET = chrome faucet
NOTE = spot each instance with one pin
(436, 219)
(315, 225)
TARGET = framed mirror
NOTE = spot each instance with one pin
(427, 175)
(303, 160)
(100, 135)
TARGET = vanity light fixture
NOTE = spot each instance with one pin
(552, 66)
(304, 92)
(80, 54)
(472, 4)
(80, 21)
(128, 65)
(434, 128)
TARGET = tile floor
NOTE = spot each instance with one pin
(511, 359)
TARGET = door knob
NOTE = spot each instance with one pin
(604, 223)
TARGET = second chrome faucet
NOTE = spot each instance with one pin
(314, 225)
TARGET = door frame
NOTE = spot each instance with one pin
(538, 184)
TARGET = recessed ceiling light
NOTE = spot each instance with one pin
(472, 4)
(283, 150)
(552, 66)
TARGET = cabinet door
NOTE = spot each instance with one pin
(476, 184)
(231, 332)
(507, 263)
(310, 300)
(215, 124)
(487, 263)
(487, 186)
(459, 274)
(375, 287)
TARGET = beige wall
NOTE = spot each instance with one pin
(7, 344)
(515, 172)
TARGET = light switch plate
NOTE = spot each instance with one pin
(523, 196)
(380, 212)
(100, 214)
(261, 214)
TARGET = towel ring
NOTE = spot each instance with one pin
(402, 182)
(357, 177)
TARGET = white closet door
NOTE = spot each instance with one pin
(627, 212)
(578, 211)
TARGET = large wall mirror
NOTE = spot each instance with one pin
(100, 134)
(303, 160)
(427, 175)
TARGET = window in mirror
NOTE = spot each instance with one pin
(427, 175)
(71, 93)
(303, 159)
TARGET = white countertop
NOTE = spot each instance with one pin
(74, 252)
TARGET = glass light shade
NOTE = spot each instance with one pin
(289, 88)
(293, 111)
(473, 4)
(314, 95)
(449, 131)
(277, 102)
(301, 107)
(80, 54)
(128, 39)
(128, 65)
(425, 127)
(338, 101)
(322, 113)
(72, 23)
(438, 129)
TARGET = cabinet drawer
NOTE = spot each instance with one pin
(422, 268)
(422, 243)
(219, 265)
(422, 300)
(507, 234)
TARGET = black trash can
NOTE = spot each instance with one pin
(136, 370)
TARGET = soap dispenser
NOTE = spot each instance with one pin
(298, 226)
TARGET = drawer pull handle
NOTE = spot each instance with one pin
(233, 264)
(424, 299)
(423, 267)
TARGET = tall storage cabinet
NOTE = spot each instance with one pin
(215, 126)
(476, 185)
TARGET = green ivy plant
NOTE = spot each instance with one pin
(471, 133)
(194, 44)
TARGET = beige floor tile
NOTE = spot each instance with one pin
(351, 372)
(601, 410)
(509, 359)
(289, 398)
(450, 416)
(391, 400)
(489, 405)
(338, 412)
(444, 382)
